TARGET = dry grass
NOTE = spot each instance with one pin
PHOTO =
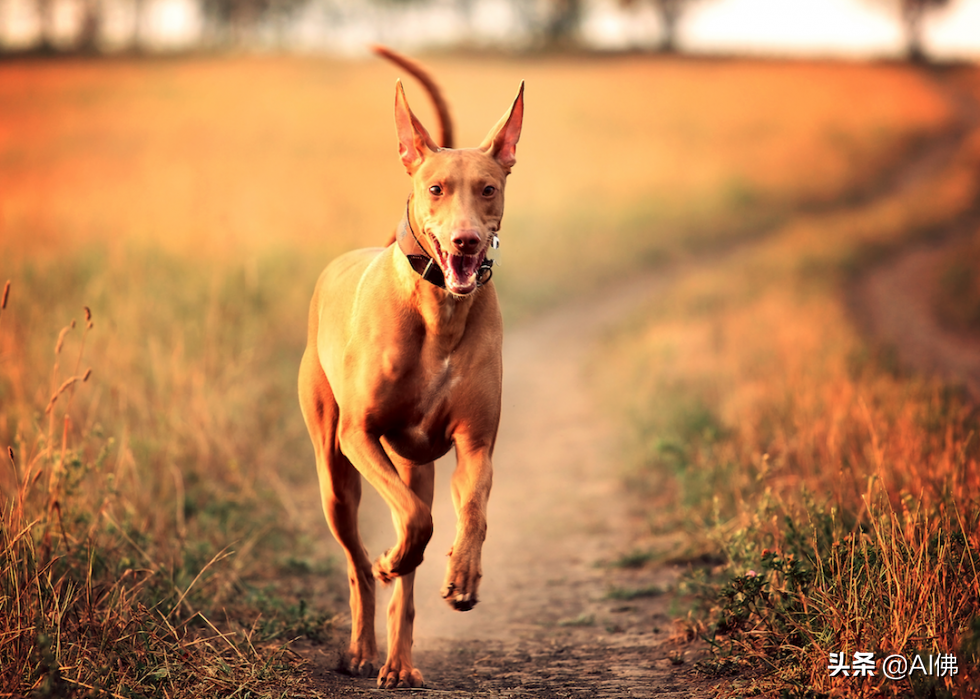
(94, 602)
(842, 491)
(191, 203)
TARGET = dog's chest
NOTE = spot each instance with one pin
(422, 414)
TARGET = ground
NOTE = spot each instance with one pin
(550, 621)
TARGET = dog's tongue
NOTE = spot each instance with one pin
(461, 272)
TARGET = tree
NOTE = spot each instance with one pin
(563, 21)
(912, 14)
(670, 12)
(237, 22)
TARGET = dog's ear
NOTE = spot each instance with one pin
(414, 142)
(501, 142)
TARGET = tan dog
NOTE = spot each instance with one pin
(403, 362)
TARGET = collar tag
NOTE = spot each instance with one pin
(493, 250)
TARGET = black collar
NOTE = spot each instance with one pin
(422, 262)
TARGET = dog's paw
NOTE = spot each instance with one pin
(382, 570)
(408, 553)
(388, 566)
(462, 582)
(358, 664)
(398, 673)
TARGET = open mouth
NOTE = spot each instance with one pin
(460, 271)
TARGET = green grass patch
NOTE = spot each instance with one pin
(625, 594)
(634, 560)
(582, 620)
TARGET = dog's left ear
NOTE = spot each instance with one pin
(414, 142)
(501, 142)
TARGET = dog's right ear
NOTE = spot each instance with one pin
(414, 142)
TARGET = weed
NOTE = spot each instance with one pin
(625, 594)
(582, 619)
(634, 560)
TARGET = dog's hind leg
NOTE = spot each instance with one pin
(398, 670)
(340, 490)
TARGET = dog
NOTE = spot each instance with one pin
(403, 363)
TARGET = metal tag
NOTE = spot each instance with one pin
(493, 250)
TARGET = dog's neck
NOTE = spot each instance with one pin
(442, 314)
(421, 258)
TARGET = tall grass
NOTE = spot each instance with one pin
(841, 492)
(118, 569)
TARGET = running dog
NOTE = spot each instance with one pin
(403, 363)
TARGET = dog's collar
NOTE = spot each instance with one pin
(422, 262)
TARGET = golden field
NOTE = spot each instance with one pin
(190, 204)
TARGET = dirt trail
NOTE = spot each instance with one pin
(545, 626)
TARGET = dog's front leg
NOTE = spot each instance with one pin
(398, 670)
(412, 517)
(471, 491)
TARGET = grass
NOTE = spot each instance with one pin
(161, 532)
(625, 594)
(99, 600)
(581, 620)
(841, 491)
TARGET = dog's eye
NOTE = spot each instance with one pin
(489, 190)
(435, 190)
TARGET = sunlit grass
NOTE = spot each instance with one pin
(842, 491)
(190, 205)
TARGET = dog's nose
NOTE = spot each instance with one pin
(466, 241)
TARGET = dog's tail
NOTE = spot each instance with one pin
(435, 94)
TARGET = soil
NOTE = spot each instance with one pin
(546, 625)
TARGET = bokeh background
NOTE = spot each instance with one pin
(947, 29)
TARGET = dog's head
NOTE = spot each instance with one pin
(458, 195)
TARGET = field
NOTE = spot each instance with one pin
(162, 223)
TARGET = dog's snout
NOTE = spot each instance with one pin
(466, 241)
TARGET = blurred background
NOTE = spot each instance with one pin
(945, 29)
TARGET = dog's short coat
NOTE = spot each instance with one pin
(403, 362)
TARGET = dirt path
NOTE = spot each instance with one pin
(545, 626)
